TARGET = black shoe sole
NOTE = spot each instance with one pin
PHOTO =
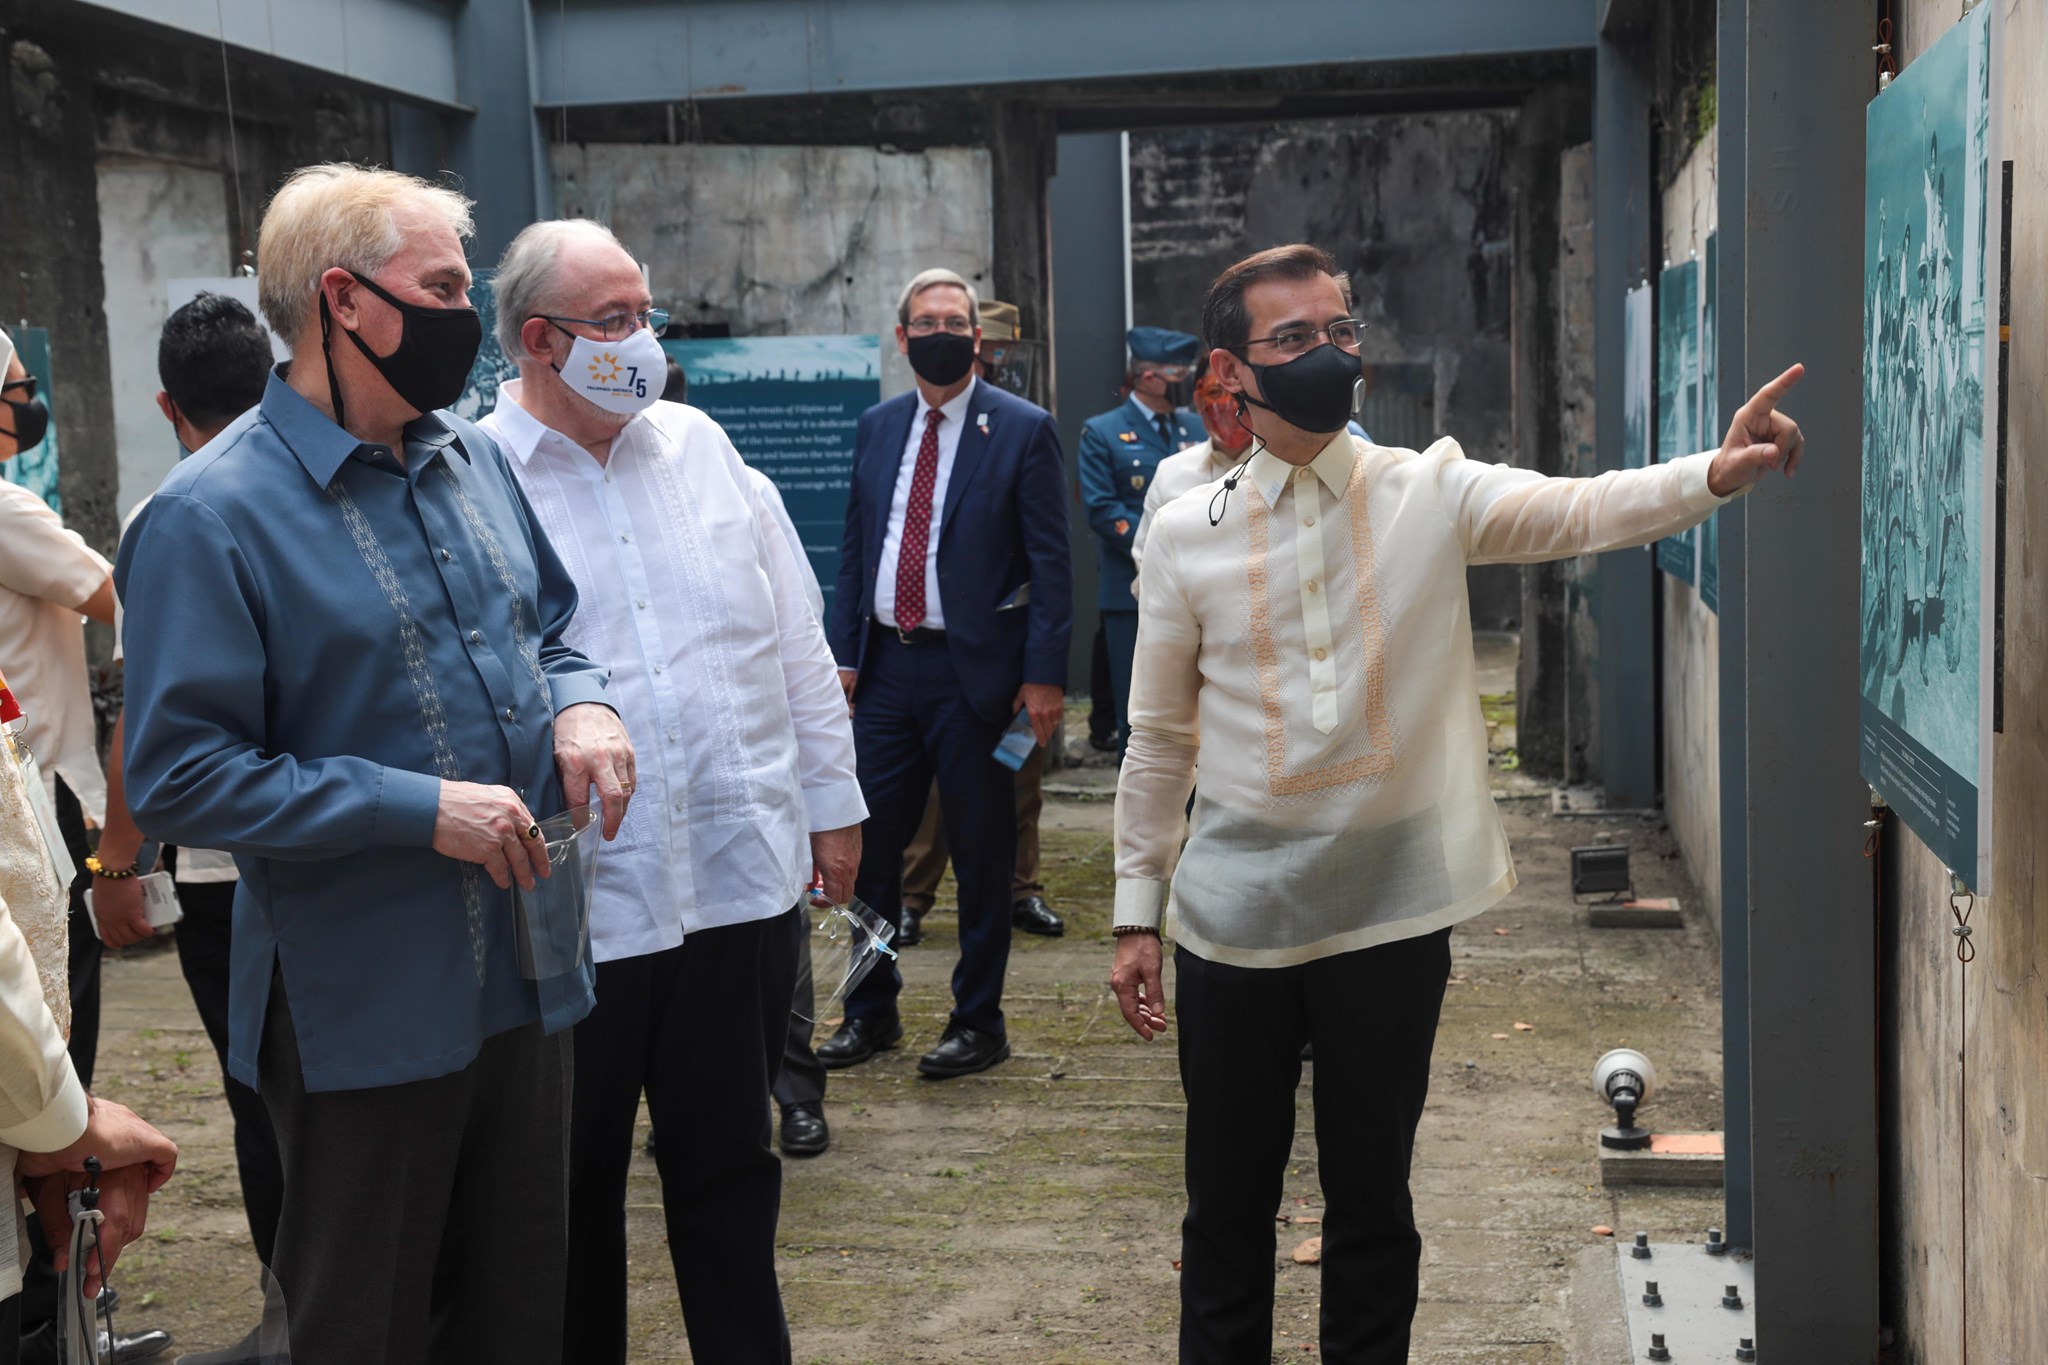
(1001, 1054)
(1033, 927)
(887, 1044)
(806, 1148)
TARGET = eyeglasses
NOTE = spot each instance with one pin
(618, 326)
(26, 381)
(924, 327)
(1343, 334)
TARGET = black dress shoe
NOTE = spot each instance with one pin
(40, 1346)
(962, 1052)
(856, 1041)
(912, 932)
(1034, 916)
(804, 1131)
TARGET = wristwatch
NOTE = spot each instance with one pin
(112, 874)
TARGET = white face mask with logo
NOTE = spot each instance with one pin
(619, 376)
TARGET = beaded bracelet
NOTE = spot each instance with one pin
(99, 869)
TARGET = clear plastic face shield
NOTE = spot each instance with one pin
(86, 1326)
(846, 942)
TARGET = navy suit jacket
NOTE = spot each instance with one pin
(1003, 528)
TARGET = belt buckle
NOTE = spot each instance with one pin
(902, 636)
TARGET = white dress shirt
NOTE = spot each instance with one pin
(1181, 472)
(46, 574)
(778, 512)
(953, 416)
(1315, 650)
(720, 670)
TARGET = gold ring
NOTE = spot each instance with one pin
(533, 831)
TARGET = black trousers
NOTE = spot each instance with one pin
(1372, 1016)
(204, 938)
(1104, 716)
(85, 944)
(701, 1028)
(424, 1222)
(911, 724)
(802, 1077)
(38, 1298)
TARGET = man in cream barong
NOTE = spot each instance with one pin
(1304, 634)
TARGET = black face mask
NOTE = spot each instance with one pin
(430, 365)
(1180, 392)
(942, 358)
(1311, 391)
(31, 419)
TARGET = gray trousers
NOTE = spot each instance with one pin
(424, 1222)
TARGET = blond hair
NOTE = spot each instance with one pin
(336, 214)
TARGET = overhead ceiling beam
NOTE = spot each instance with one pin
(611, 52)
(405, 48)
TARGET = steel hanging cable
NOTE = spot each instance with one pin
(1961, 901)
(227, 85)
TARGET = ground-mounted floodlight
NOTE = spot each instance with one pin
(1623, 1078)
(1602, 869)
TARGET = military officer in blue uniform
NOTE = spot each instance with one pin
(1119, 450)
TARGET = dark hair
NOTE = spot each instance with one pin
(213, 359)
(1225, 323)
(677, 389)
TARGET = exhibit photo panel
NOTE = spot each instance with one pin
(1678, 394)
(1929, 258)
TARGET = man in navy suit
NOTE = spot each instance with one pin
(954, 603)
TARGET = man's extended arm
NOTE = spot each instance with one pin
(1508, 515)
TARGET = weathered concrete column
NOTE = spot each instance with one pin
(1022, 144)
(50, 255)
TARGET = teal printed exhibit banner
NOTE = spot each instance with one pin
(36, 468)
(790, 405)
(1925, 641)
(1678, 392)
(1636, 329)
(1710, 429)
(493, 367)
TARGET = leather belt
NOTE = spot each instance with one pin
(923, 635)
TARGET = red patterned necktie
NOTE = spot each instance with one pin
(917, 528)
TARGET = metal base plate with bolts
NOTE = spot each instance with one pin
(1697, 1328)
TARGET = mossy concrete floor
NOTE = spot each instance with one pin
(1031, 1214)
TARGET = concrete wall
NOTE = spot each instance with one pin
(159, 221)
(1416, 207)
(88, 255)
(780, 241)
(1690, 643)
(1988, 1156)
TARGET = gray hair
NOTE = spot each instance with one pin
(336, 214)
(926, 279)
(526, 273)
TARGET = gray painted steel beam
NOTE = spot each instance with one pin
(1812, 942)
(634, 51)
(406, 47)
(1621, 258)
(1086, 213)
(1730, 371)
(499, 151)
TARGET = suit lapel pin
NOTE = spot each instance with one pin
(981, 420)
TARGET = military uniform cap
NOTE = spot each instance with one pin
(999, 320)
(1162, 345)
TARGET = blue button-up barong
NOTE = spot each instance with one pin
(316, 636)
